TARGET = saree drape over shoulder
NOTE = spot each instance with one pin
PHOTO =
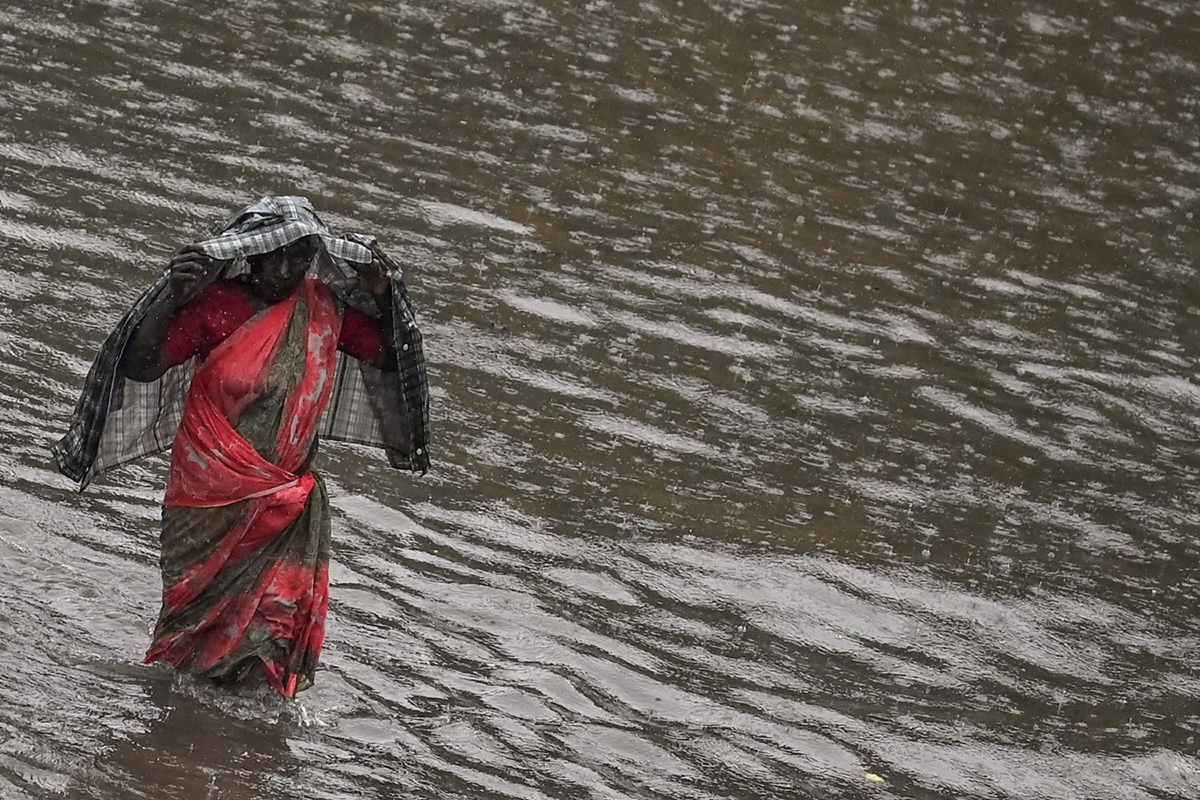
(246, 526)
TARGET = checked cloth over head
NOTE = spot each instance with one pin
(118, 420)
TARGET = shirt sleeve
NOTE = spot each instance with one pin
(361, 337)
(204, 323)
(185, 336)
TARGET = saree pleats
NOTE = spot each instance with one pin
(268, 606)
(246, 527)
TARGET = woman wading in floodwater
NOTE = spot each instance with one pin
(240, 360)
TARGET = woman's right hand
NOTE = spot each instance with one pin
(188, 266)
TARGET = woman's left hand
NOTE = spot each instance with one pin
(373, 278)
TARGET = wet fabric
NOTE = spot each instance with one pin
(245, 537)
(117, 421)
(225, 305)
(275, 222)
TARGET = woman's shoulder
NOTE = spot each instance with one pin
(224, 289)
(217, 308)
(223, 294)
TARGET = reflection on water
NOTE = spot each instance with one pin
(193, 751)
(813, 387)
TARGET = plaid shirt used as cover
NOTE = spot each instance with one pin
(118, 420)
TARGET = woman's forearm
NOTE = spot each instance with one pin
(142, 360)
(383, 301)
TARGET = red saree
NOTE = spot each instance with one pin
(245, 538)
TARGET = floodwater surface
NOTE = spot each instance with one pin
(814, 389)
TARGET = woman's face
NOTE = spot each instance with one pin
(275, 275)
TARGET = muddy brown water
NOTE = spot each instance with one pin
(814, 385)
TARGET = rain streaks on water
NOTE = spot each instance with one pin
(813, 384)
